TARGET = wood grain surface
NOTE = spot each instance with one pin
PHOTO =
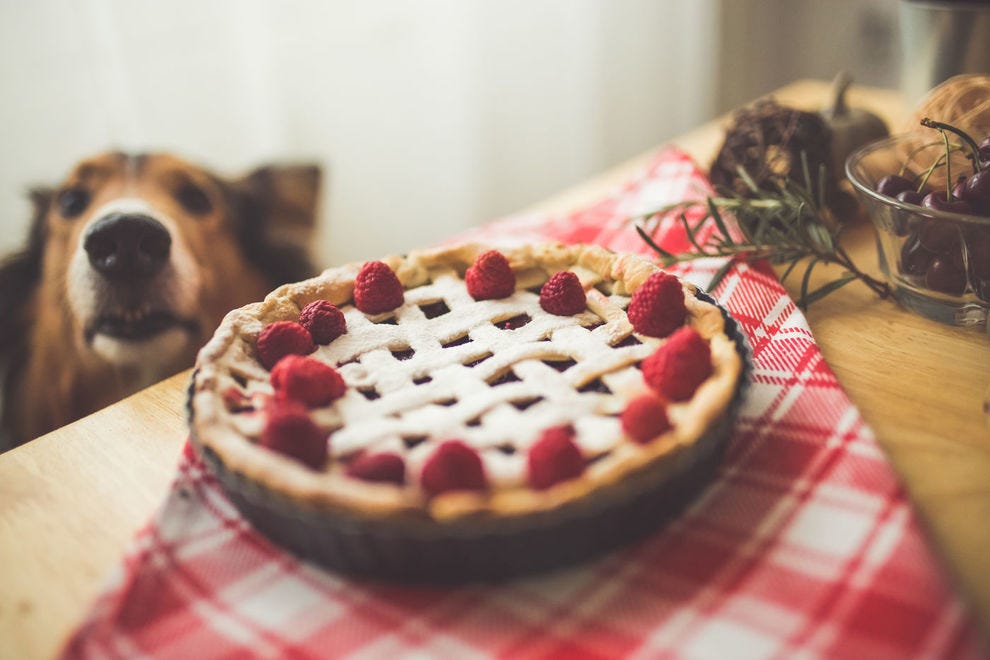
(70, 501)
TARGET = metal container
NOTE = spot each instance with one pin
(939, 39)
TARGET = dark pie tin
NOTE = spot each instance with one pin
(489, 550)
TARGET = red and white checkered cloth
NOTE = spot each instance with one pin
(805, 545)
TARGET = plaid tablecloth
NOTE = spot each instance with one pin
(804, 547)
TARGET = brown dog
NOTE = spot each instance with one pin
(130, 265)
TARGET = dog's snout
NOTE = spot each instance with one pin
(127, 245)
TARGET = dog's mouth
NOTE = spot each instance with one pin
(137, 324)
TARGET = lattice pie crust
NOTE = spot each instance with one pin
(493, 373)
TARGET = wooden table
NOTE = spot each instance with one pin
(70, 501)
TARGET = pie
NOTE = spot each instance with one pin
(490, 412)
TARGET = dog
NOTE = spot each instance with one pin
(129, 266)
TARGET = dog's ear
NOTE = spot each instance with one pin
(290, 194)
(20, 274)
(278, 209)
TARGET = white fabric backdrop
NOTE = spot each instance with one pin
(429, 116)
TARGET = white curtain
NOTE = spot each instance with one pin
(428, 116)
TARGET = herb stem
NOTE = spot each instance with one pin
(786, 224)
(880, 287)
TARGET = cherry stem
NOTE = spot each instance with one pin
(942, 126)
(948, 167)
(928, 173)
(915, 152)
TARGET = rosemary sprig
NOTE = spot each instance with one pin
(785, 224)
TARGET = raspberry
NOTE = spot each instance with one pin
(307, 381)
(490, 277)
(236, 401)
(282, 338)
(323, 320)
(377, 289)
(554, 458)
(682, 363)
(644, 418)
(289, 430)
(381, 467)
(453, 466)
(657, 307)
(563, 295)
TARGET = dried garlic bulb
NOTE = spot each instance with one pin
(851, 127)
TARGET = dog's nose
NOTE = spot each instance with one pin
(127, 245)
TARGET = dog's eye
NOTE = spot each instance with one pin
(73, 201)
(193, 199)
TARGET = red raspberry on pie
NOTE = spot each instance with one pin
(563, 295)
(554, 458)
(453, 466)
(377, 289)
(290, 431)
(323, 320)
(282, 338)
(490, 277)
(657, 308)
(382, 467)
(644, 418)
(307, 381)
(681, 363)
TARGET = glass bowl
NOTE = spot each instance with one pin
(937, 262)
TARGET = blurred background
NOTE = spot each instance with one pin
(427, 116)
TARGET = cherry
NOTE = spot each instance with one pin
(892, 184)
(915, 258)
(959, 190)
(978, 251)
(942, 275)
(939, 237)
(955, 257)
(984, 151)
(977, 192)
(901, 219)
(909, 197)
(937, 202)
